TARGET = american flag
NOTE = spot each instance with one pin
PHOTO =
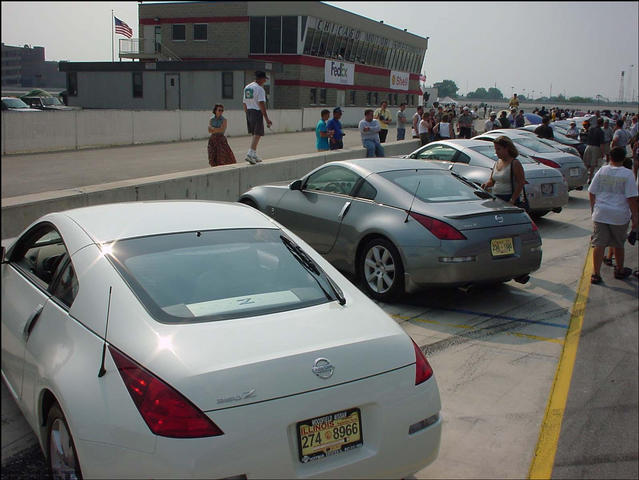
(122, 28)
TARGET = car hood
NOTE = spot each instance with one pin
(242, 361)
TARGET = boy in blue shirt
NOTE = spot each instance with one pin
(335, 125)
(321, 132)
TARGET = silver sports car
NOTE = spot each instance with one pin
(571, 166)
(400, 224)
(474, 159)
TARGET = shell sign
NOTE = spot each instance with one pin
(399, 80)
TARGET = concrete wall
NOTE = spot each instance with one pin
(224, 183)
(73, 130)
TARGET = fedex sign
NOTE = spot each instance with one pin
(399, 80)
(336, 71)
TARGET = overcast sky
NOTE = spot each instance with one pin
(580, 48)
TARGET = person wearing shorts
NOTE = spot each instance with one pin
(613, 203)
(593, 152)
(254, 103)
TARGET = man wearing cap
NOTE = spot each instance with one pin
(254, 103)
(465, 122)
(492, 123)
(520, 119)
(334, 127)
(514, 102)
(572, 132)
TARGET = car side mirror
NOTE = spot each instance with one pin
(296, 185)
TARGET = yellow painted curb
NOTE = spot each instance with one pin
(544, 459)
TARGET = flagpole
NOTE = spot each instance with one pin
(112, 28)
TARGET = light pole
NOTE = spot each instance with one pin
(512, 90)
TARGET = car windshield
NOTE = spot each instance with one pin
(220, 274)
(14, 103)
(534, 145)
(51, 101)
(432, 185)
(489, 151)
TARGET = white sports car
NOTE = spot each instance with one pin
(194, 339)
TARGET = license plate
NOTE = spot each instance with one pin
(574, 172)
(329, 434)
(502, 246)
(547, 188)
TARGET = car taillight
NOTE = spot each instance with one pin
(167, 412)
(545, 161)
(441, 230)
(534, 225)
(423, 370)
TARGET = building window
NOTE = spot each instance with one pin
(353, 97)
(395, 99)
(313, 97)
(274, 34)
(200, 32)
(137, 85)
(179, 33)
(72, 84)
(289, 34)
(227, 84)
(322, 98)
(257, 34)
(376, 98)
(369, 98)
(407, 101)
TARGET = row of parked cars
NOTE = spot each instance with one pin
(34, 103)
(222, 340)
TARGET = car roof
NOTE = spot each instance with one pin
(105, 223)
(384, 164)
(464, 142)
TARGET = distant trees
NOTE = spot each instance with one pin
(491, 94)
(446, 88)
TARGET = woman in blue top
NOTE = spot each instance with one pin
(321, 132)
(220, 152)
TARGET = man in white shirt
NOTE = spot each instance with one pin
(572, 132)
(613, 202)
(254, 103)
(491, 123)
(369, 130)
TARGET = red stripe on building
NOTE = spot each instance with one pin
(151, 21)
(319, 62)
(307, 83)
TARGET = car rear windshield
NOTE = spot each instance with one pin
(218, 274)
(489, 151)
(534, 145)
(432, 185)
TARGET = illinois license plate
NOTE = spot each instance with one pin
(574, 172)
(546, 188)
(502, 246)
(329, 434)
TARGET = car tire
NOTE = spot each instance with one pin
(380, 269)
(249, 202)
(538, 213)
(62, 458)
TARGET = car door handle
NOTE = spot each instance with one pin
(345, 208)
(28, 327)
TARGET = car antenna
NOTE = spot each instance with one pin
(102, 369)
(412, 201)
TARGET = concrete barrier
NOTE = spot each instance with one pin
(224, 183)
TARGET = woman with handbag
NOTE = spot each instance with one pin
(507, 178)
(219, 151)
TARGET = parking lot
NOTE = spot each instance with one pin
(496, 352)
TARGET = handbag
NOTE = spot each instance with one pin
(519, 202)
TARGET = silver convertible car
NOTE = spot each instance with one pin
(399, 224)
(546, 187)
(192, 339)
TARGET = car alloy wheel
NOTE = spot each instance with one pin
(61, 455)
(381, 270)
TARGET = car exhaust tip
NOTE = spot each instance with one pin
(557, 210)
(522, 279)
